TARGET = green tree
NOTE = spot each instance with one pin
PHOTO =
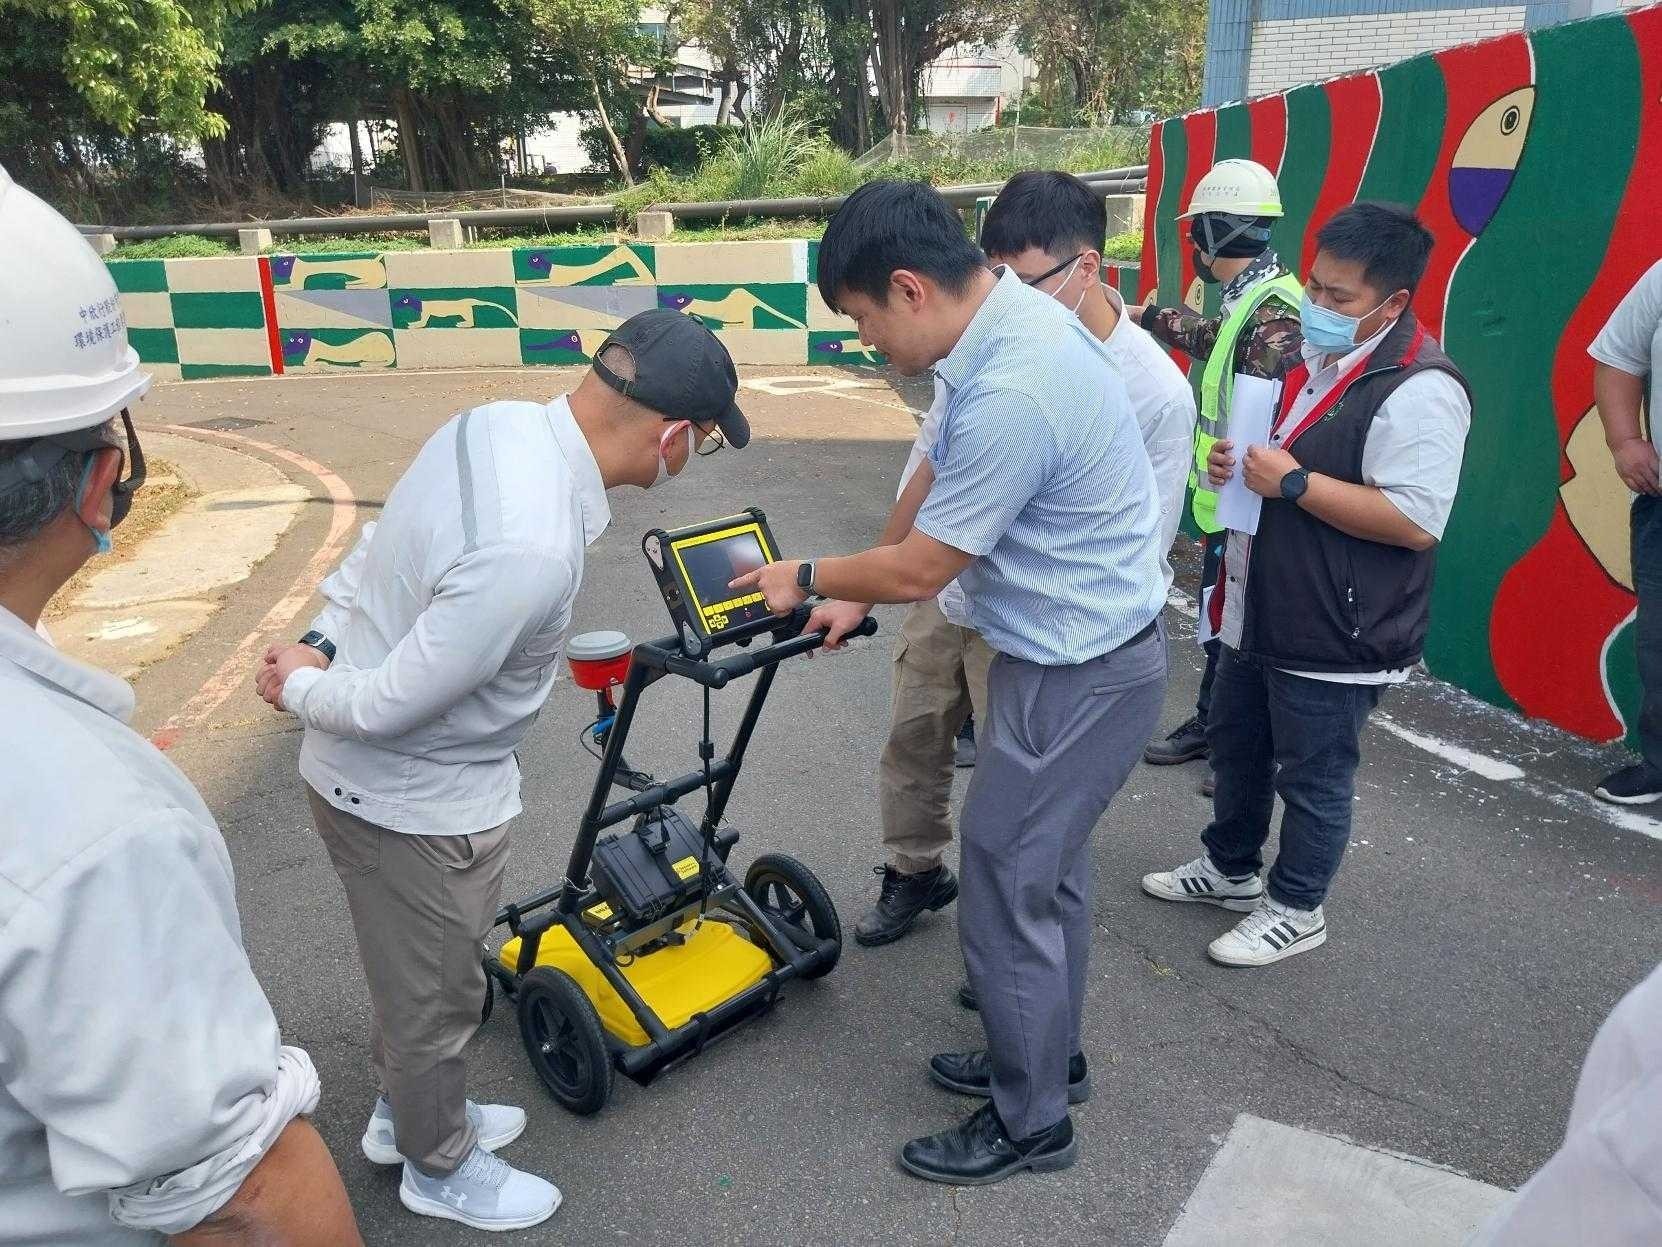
(137, 61)
(1100, 58)
(603, 43)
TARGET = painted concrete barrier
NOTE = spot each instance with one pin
(272, 315)
(1534, 158)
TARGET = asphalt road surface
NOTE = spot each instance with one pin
(1479, 931)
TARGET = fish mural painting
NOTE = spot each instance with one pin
(1539, 189)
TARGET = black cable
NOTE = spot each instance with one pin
(706, 751)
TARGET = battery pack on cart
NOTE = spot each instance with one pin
(653, 868)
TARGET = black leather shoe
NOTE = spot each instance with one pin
(971, 1073)
(966, 997)
(980, 1151)
(902, 899)
(1185, 743)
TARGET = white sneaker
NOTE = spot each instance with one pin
(1199, 880)
(497, 1125)
(1270, 933)
(485, 1192)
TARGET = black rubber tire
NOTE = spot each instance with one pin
(787, 891)
(490, 999)
(564, 1040)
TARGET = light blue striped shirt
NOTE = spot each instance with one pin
(1040, 473)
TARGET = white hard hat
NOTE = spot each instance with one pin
(64, 359)
(1239, 187)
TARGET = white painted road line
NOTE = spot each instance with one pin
(1459, 755)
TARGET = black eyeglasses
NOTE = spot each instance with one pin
(713, 441)
(1050, 272)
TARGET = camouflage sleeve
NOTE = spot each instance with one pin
(1270, 346)
(1183, 330)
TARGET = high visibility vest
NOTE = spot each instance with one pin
(1217, 382)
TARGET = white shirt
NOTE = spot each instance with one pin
(1412, 455)
(141, 1072)
(1632, 338)
(1165, 409)
(1600, 1186)
(950, 599)
(448, 620)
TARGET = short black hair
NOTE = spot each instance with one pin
(888, 225)
(1047, 209)
(1390, 243)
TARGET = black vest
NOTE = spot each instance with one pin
(1318, 599)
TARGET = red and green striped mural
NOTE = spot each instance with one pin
(1536, 159)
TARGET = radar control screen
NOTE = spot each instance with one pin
(699, 562)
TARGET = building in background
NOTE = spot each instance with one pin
(960, 95)
(970, 88)
(1257, 47)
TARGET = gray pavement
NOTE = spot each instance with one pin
(1479, 932)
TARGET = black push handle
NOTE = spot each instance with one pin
(718, 674)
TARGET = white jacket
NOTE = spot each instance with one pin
(448, 620)
(141, 1073)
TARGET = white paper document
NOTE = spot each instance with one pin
(1252, 405)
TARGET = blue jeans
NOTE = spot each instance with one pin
(1271, 733)
(1647, 628)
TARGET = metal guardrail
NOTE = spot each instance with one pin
(1128, 180)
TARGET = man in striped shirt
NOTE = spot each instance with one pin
(1038, 498)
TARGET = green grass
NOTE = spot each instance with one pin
(1126, 246)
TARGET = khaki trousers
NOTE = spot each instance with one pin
(940, 674)
(421, 907)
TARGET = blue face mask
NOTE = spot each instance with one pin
(1328, 331)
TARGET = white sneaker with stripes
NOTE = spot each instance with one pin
(1270, 933)
(1201, 881)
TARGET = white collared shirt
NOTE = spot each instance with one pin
(449, 618)
(135, 1043)
(1412, 455)
(1165, 409)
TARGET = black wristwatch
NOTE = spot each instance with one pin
(1294, 484)
(805, 576)
(320, 643)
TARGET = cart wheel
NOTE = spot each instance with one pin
(562, 1036)
(490, 1000)
(787, 891)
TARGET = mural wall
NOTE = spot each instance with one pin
(1537, 161)
(269, 315)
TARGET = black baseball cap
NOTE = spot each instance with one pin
(682, 371)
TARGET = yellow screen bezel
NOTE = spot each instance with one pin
(701, 610)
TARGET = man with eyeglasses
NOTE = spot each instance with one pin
(437, 645)
(1049, 229)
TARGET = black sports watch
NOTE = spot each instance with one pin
(320, 643)
(1294, 484)
(805, 576)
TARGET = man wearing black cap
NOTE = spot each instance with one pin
(436, 647)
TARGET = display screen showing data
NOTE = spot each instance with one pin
(708, 563)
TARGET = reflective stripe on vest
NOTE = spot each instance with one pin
(1217, 380)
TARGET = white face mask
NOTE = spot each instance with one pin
(1080, 301)
(664, 444)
